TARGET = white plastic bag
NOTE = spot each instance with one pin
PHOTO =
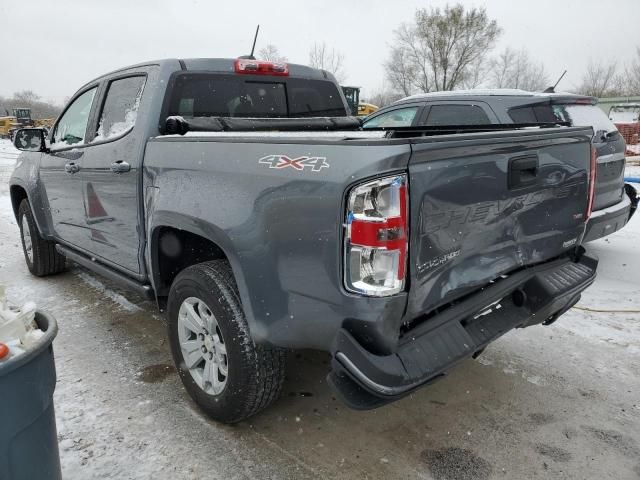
(18, 329)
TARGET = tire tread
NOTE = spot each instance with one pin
(263, 365)
(46, 259)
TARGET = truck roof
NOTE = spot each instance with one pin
(492, 92)
(219, 65)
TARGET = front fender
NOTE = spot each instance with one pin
(26, 176)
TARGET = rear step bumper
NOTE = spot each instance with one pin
(535, 295)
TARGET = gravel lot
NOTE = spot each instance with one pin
(545, 402)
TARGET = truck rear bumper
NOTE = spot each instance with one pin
(611, 219)
(534, 295)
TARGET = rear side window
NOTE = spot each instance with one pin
(535, 114)
(120, 107)
(206, 95)
(522, 115)
(400, 117)
(580, 115)
(457, 115)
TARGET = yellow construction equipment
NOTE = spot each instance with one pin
(6, 123)
(365, 109)
(44, 123)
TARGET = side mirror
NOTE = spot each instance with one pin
(30, 139)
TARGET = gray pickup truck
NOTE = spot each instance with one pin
(400, 251)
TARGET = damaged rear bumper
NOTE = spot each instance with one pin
(531, 296)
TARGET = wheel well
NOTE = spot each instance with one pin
(174, 250)
(17, 195)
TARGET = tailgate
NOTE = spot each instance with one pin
(484, 205)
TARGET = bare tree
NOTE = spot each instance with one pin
(26, 96)
(598, 80)
(475, 75)
(383, 96)
(444, 46)
(329, 59)
(501, 68)
(271, 53)
(516, 69)
(628, 83)
(415, 59)
(401, 71)
(29, 99)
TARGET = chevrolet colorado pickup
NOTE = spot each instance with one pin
(400, 251)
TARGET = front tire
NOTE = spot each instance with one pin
(41, 255)
(223, 370)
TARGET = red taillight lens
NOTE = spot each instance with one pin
(257, 67)
(593, 171)
(376, 238)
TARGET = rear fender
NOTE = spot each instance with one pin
(208, 231)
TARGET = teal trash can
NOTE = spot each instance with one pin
(28, 437)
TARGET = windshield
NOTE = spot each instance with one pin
(580, 115)
(222, 95)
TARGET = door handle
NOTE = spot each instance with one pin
(120, 166)
(71, 167)
(523, 171)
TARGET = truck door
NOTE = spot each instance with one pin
(60, 167)
(110, 175)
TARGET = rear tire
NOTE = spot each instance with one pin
(41, 255)
(206, 319)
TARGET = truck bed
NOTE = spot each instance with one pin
(282, 227)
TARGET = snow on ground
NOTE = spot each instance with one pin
(8, 153)
(632, 171)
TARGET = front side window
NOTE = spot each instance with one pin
(401, 117)
(120, 107)
(450, 114)
(72, 127)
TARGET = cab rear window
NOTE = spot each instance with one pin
(220, 95)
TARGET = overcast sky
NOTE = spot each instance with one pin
(53, 47)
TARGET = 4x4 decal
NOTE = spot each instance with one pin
(300, 163)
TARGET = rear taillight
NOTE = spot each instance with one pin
(376, 237)
(592, 180)
(257, 67)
